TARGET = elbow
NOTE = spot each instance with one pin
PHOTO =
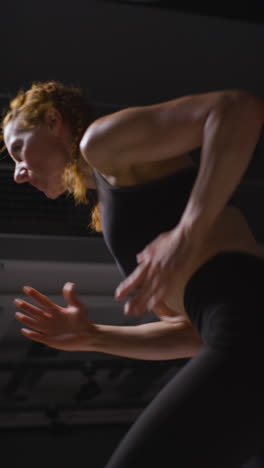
(235, 107)
(255, 106)
(243, 103)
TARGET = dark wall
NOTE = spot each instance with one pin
(82, 448)
(90, 447)
(125, 54)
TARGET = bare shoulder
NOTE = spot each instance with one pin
(105, 126)
(192, 103)
(158, 131)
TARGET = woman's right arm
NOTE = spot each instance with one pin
(150, 341)
(70, 329)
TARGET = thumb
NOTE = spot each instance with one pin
(147, 251)
(69, 293)
(143, 256)
(140, 257)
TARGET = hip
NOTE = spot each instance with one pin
(224, 300)
(195, 286)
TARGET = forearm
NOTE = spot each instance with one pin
(151, 341)
(230, 135)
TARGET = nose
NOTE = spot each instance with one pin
(20, 175)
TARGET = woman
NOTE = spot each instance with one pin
(199, 267)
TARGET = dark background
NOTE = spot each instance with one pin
(121, 54)
(124, 54)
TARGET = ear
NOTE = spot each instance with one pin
(53, 120)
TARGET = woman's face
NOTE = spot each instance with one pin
(40, 154)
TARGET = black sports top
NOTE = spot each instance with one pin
(133, 216)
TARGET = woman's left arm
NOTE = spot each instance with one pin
(230, 134)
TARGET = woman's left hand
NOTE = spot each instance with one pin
(159, 265)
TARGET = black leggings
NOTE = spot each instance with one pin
(211, 414)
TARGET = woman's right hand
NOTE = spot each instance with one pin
(66, 328)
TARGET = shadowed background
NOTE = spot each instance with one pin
(121, 54)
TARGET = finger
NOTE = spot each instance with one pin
(151, 293)
(161, 287)
(138, 305)
(148, 248)
(156, 298)
(132, 308)
(35, 324)
(141, 256)
(69, 293)
(35, 336)
(40, 299)
(131, 282)
(31, 309)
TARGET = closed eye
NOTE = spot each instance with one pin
(16, 148)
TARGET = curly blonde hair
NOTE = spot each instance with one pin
(30, 107)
